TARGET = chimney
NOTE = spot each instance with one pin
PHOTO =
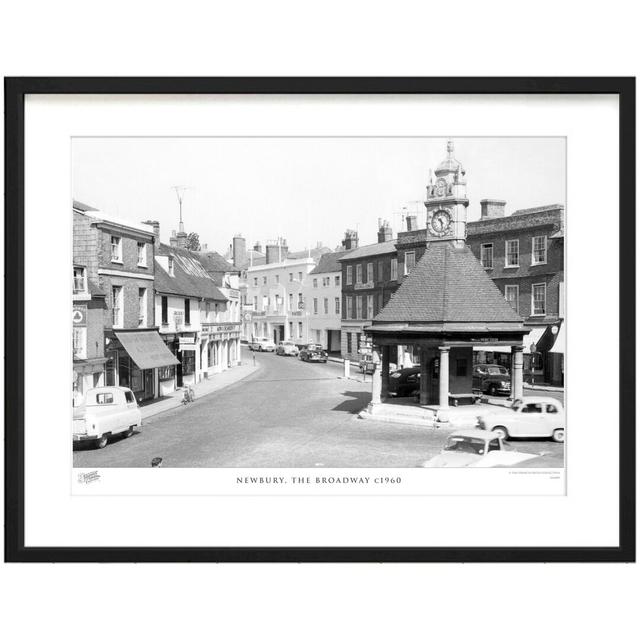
(181, 239)
(385, 233)
(156, 231)
(275, 252)
(412, 222)
(492, 209)
(239, 252)
(173, 240)
(257, 247)
(350, 240)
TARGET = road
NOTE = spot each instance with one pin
(288, 413)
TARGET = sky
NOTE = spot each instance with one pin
(307, 190)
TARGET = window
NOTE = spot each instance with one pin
(358, 306)
(299, 329)
(291, 276)
(349, 274)
(165, 373)
(358, 340)
(370, 272)
(533, 407)
(512, 293)
(79, 280)
(394, 268)
(326, 306)
(370, 306)
(315, 305)
(494, 445)
(187, 311)
(265, 302)
(142, 307)
(300, 276)
(337, 281)
(380, 302)
(255, 282)
(116, 249)
(538, 299)
(315, 283)
(358, 274)
(165, 310)
(349, 342)
(551, 408)
(512, 253)
(486, 255)
(291, 330)
(116, 306)
(104, 398)
(291, 301)
(264, 279)
(337, 307)
(80, 343)
(349, 307)
(380, 271)
(170, 265)
(142, 254)
(409, 261)
(539, 250)
(277, 279)
(128, 395)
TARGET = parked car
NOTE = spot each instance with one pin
(313, 353)
(286, 348)
(262, 344)
(492, 379)
(404, 382)
(532, 417)
(106, 412)
(475, 448)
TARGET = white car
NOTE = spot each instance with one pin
(262, 344)
(106, 412)
(475, 448)
(532, 417)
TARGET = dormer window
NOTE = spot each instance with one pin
(171, 273)
(79, 280)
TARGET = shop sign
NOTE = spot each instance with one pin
(79, 315)
(233, 293)
(184, 340)
(364, 285)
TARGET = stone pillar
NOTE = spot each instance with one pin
(376, 380)
(444, 377)
(516, 372)
(424, 377)
(384, 389)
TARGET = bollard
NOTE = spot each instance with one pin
(347, 368)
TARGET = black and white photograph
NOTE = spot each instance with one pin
(319, 303)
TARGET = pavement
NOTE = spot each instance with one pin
(285, 413)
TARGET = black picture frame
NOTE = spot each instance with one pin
(15, 91)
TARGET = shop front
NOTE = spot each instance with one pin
(222, 346)
(134, 360)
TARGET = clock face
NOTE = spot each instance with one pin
(440, 222)
(441, 187)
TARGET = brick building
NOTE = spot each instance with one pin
(122, 255)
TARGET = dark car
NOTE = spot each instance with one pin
(404, 382)
(313, 353)
(492, 379)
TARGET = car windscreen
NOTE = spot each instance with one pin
(465, 445)
(497, 371)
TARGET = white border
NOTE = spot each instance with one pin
(587, 516)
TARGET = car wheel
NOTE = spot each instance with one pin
(501, 432)
(558, 435)
(101, 442)
(128, 433)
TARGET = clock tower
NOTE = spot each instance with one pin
(447, 201)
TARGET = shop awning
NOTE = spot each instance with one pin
(559, 344)
(146, 349)
(532, 338)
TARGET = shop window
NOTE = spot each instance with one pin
(188, 362)
(166, 373)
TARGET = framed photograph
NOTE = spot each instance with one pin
(320, 319)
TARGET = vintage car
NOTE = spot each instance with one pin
(286, 348)
(262, 344)
(492, 379)
(404, 382)
(313, 353)
(532, 417)
(475, 448)
(106, 412)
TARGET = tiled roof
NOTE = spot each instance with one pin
(213, 261)
(370, 250)
(315, 253)
(329, 262)
(543, 209)
(81, 206)
(189, 278)
(448, 285)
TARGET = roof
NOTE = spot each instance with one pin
(190, 279)
(214, 262)
(378, 248)
(543, 209)
(80, 206)
(329, 262)
(448, 285)
(315, 253)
